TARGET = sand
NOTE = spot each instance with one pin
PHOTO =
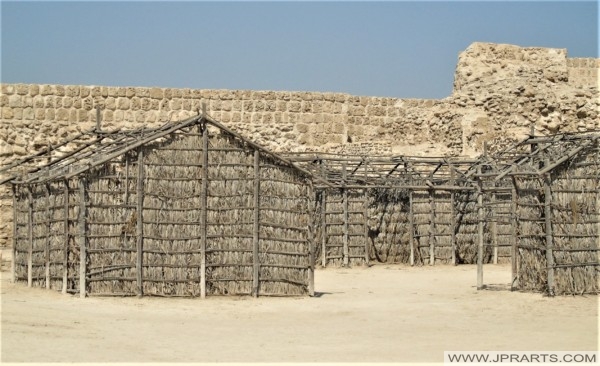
(387, 313)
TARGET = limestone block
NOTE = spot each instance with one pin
(81, 91)
(82, 115)
(248, 106)
(22, 89)
(15, 100)
(136, 103)
(50, 114)
(7, 113)
(96, 91)
(123, 103)
(156, 93)
(7, 89)
(28, 113)
(145, 104)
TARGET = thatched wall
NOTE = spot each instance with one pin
(143, 225)
(342, 227)
(559, 233)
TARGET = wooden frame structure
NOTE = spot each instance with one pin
(555, 211)
(394, 209)
(188, 209)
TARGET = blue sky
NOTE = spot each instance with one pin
(393, 49)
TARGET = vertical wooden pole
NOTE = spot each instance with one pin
(346, 217)
(514, 250)
(431, 227)
(549, 238)
(98, 120)
(366, 215)
(411, 219)
(140, 222)
(479, 231)
(66, 234)
(411, 227)
(255, 236)
(82, 239)
(30, 237)
(494, 228)
(47, 241)
(453, 217)
(323, 219)
(203, 211)
(311, 238)
(13, 266)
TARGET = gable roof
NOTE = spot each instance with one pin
(96, 147)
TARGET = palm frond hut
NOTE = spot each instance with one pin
(188, 209)
(401, 209)
(555, 205)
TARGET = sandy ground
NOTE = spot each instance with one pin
(383, 313)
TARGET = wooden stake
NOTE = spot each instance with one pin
(140, 223)
(66, 234)
(479, 232)
(203, 211)
(432, 227)
(323, 220)
(82, 239)
(366, 216)
(411, 228)
(47, 241)
(311, 239)
(549, 238)
(30, 237)
(13, 266)
(453, 218)
(494, 228)
(346, 254)
(514, 250)
(98, 120)
(255, 238)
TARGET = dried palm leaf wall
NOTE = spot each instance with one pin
(558, 219)
(146, 235)
(342, 227)
(45, 237)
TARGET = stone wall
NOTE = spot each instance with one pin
(499, 92)
(583, 71)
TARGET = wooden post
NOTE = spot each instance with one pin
(30, 237)
(432, 227)
(47, 241)
(346, 251)
(411, 227)
(203, 211)
(366, 215)
(82, 239)
(494, 228)
(98, 120)
(311, 239)
(323, 219)
(479, 231)
(255, 237)
(549, 238)
(66, 234)
(13, 266)
(411, 219)
(514, 250)
(453, 217)
(140, 223)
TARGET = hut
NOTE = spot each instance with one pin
(555, 211)
(188, 209)
(401, 209)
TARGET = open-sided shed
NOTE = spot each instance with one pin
(188, 209)
(413, 210)
(555, 204)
